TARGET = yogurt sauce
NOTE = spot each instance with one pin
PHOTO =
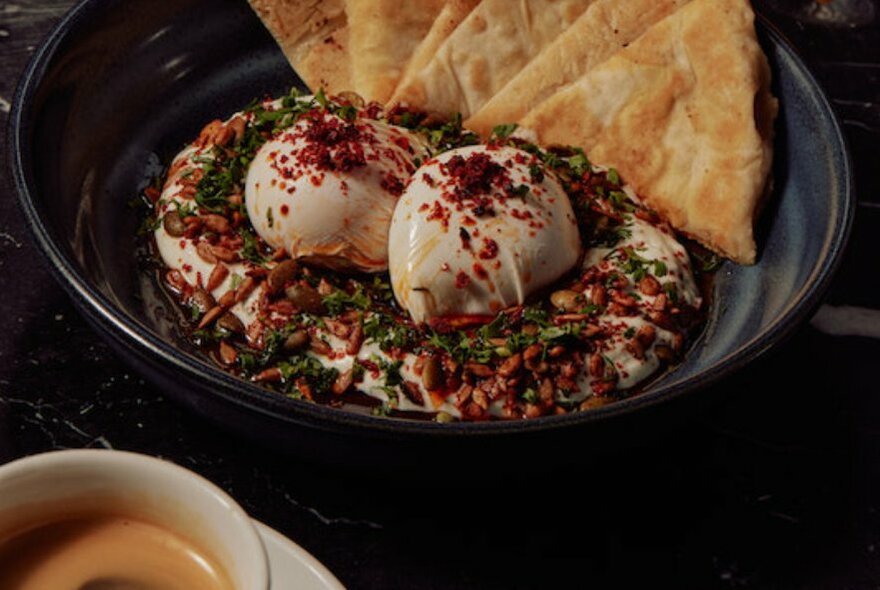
(653, 243)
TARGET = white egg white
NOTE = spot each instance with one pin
(448, 260)
(337, 218)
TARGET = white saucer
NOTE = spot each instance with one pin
(291, 566)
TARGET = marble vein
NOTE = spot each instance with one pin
(13, 13)
(847, 320)
(332, 520)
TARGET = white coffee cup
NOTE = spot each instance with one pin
(160, 492)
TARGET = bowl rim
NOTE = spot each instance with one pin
(255, 399)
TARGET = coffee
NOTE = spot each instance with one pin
(103, 550)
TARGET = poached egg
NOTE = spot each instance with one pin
(479, 229)
(325, 189)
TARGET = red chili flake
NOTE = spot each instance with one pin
(331, 143)
(424, 207)
(392, 184)
(480, 271)
(283, 307)
(370, 366)
(462, 280)
(489, 249)
(465, 238)
(393, 156)
(428, 179)
(475, 175)
(373, 111)
(451, 323)
(187, 268)
(483, 207)
(439, 213)
(152, 193)
(401, 142)
(521, 215)
(285, 210)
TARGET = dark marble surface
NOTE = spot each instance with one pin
(776, 485)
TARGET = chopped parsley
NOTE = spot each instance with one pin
(251, 249)
(503, 131)
(536, 174)
(221, 179)
(441, 138)
(610, 236)
(339, 301)
(385, 331)
(579, 163)
(705, 260)
(530, 396)
(635, 265)
(321, 378)
(391, 370)
(519, 191)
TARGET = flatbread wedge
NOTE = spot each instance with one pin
(686, 115)
(495, 41)
(605, 28)
(452, 15)
(313, 34)
(383, 35)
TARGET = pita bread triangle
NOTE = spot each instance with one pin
(605, 28)
(452, 15)
(383, 34)
(313, 34)
(685, 114)
(496, 40)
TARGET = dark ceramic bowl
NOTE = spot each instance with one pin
(121, 85)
